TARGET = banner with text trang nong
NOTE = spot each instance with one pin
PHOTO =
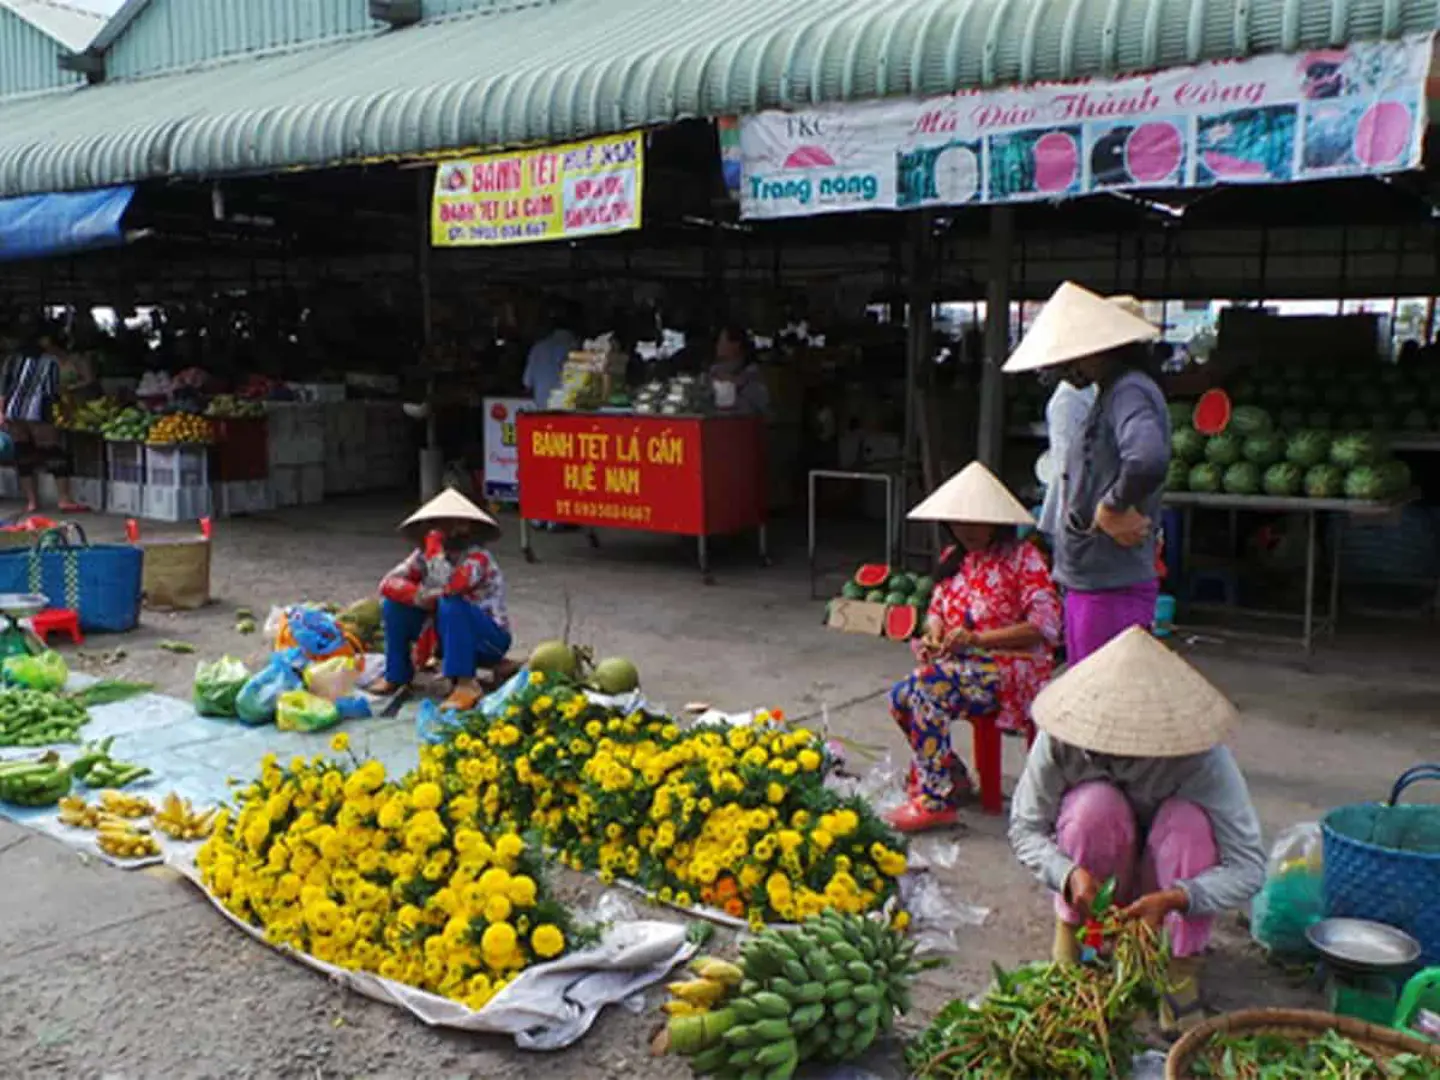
(1271, 119)
(581, 189)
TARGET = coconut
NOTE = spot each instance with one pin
(553, 658)
(615, 675)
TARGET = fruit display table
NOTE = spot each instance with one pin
(697, 476)
(1313, 509)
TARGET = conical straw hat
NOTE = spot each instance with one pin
(450, 505)
(1135, 698)
(973, 494)
(1076, 322)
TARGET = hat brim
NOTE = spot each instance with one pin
(418, 528)
(974, 495)
(1076, 323)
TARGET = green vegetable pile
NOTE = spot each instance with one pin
(1328, 1057)
(34, 783)
(1060, 1022)
(39, 718)
(95, 768)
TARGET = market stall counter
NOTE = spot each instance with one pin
(697, 476)
(1313, 508)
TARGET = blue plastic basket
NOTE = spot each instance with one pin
(100, 582)
(1382, 862)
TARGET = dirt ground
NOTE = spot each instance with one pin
(105, 973)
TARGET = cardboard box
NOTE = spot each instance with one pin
(857, 617)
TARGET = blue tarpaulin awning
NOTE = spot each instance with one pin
(32, 226)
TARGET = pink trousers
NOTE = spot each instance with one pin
(1097, 829)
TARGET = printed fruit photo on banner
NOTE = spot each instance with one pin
(405, 880)
(735, 818)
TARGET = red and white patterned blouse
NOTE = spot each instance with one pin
(1004, 585)
(429, 573)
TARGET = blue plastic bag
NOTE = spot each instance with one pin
(495, 702)
(260, 697)
(355, 707)
(432, 726)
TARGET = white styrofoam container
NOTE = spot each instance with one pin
(177, 503)
(123, 498)
(177, 466)
(89, 491)
(243, 497)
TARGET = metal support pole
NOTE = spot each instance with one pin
(997, 338)
(1308, 634)
(919, 332)
(431, 466)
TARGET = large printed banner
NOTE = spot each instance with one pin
(556, 192)
(1269, 119)
(502, 455)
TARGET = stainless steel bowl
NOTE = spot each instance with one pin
(1360, 945)
(22, 605)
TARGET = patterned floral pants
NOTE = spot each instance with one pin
(926, 701)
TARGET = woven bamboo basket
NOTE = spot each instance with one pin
(1298, 1024)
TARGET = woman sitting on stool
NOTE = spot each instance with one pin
(988, 645)
(453, 580)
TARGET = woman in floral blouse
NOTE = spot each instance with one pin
(453, 581)
(989, 639)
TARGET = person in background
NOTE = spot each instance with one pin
(30, 389)
(988, 645)
(452, 579)
(546, 361)
(1065, 415)
(1130, 780)
(735, 367)
(1114, 472)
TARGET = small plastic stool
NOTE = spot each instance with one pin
(987, 749)
(1213, 580)
(57, 621)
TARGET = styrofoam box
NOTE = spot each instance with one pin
(321, 392)
(243, 497)
(177, 466)
(89, 491)
(297, 433)
(176, 504)
(344, 424)
(285, 483)
(312, 485)
(122, 498)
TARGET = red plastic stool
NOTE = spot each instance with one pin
(425, 647)
(987, 749)
(57, 621)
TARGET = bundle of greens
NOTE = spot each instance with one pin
(1326, 1057)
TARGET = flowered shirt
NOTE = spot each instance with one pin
(429, 573)
(1005, 585)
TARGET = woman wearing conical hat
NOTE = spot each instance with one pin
(452, 582)
(993, 622)
(1130, 779)
(1113, 474)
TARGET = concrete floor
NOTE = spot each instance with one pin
(108, 973)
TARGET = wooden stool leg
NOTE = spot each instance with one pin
(987, 749)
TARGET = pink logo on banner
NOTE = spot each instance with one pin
(809, 157)
(1153, 152)
(1057, 161)
(1382, 134)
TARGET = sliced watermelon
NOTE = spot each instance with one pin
(1212, 412)
(872, 576)
(902, 622)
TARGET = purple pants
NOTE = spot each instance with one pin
(1093, 618)
(1097, 829)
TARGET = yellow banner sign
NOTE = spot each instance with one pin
(556, 192)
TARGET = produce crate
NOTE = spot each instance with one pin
(124, 498)
(234, 498)
(297, 433)
(177, 466)
(176, 503)
(87, 454)
(125, 463)
(89, 491)
(242, 449)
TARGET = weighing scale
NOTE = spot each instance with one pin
(15, 638)
(1365, 963)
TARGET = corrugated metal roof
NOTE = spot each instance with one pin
(33, 34)
(579, 67)
(73, 27)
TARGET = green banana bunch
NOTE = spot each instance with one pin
(40, 782)
(823, 991)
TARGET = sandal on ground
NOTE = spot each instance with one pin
(461, 699)
(915, 817)
(75, 508)
(385, 688)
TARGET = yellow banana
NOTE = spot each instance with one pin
(717, 970)
(702, 992)
(677, 1008)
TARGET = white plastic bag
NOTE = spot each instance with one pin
(1292, 897)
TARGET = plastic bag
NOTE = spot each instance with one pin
(1293, 896)
(44, 672)
(300, 710)
(353, 708)
(260, 697)
(217, 686)
(334, 678)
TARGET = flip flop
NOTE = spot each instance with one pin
(462, 700)
(75, 508)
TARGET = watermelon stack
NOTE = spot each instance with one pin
(906, 597)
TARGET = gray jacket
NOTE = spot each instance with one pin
(1120, 458)
(1211, 780)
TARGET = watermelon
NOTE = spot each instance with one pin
(1370, 397)
(1205, 478)
(919, 602)
(1250, 420)
(1415, 420)
(1404, 397)
(895, 598)
(1301, 392)
(1283, 479)
(1308, 448)
(1243, 390)
(1270, 393)
(1292, 419)
(1337, 395)
(1322, 419)
(875, 596)
(1354, 449)
(1324, 482)
(1177, 476)
(1364, 482)
(1212, 412)
(1263, 450)
(1180, 413)
(1242, 478)
(1350, 420)
(924, 584)
(900, 582)
(851, 591)
(1381, 420)
(1223, 449)
(902, 622)
(1187, 444)
(1394, 479)
(872, 576)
